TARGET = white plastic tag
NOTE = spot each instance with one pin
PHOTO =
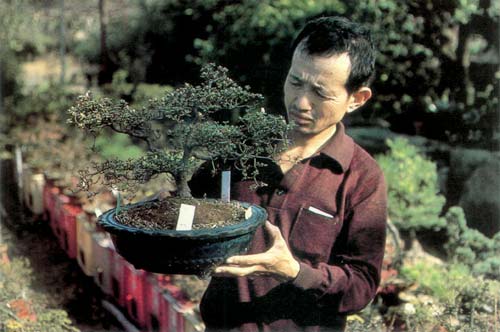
(225, 189)
(186, 217)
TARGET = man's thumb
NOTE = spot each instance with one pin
(272, 229)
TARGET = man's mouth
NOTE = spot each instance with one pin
(300, 119)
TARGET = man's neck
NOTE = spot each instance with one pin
(309, 144)
(303, 147)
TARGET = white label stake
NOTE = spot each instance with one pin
(225, 189)
(186, 216)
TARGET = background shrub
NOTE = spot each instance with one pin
(470, 247)
(413, 199)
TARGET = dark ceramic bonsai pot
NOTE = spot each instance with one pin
(181, 252)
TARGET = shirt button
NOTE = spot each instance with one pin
(280, 192)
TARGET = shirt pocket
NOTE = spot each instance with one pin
(313, 236)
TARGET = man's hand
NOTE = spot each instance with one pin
(276, 262)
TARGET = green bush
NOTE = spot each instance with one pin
(458, 300)
(138, 93)
(470, 247)
(117, 146)
(45, 101)
(413, 200)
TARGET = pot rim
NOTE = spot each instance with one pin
(258, 217)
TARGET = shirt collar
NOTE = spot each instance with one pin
(340, 148)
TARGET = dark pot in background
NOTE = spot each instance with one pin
(181, 252)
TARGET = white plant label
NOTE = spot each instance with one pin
(186, 217)
(225, 189)
(248, 213)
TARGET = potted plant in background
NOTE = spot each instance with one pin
(217, 120)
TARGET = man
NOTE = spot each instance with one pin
(319, 256)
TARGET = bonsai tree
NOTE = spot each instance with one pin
(180, 132)
(218, 122)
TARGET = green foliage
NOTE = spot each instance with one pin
(424, 47)
(460, 300)
(117, 146)
(436, 63)
(10, 86)
(151, 39)
(52, 320)
(143, 93)
(470, 247)
(413, 200)
(11, 26)
(16, 26)
(440, 281)
(15, 285)
(139, 93)
(217, 120)
(253, 39)
(49, 100)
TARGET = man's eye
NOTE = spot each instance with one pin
(295, 83)
(321, 94)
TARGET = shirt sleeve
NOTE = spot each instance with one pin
(350, 280)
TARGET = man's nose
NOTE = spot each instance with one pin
(303, 102)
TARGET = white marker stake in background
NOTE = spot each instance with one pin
(225, 189)
(186, 216)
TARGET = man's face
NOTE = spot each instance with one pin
(315, 95)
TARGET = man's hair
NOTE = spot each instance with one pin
(335, 35)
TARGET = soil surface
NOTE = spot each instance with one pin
(163, 214)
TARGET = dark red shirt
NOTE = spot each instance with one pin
(331, 210)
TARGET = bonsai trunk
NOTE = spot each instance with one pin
(181, 182)
(182, 177)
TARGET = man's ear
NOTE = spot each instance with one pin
(359, 98)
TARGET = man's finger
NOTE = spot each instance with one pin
(273, 230)
(247, 259)
(225, 270)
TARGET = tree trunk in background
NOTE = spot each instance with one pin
(104, 75)
(1, 94)
(62, 43)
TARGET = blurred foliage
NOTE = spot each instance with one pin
(413, 200)
(10, 86)
(433, 297)
(438, 71)
(470, 247)
(139, 94)
(49, 100)
(448, 296)
(253, 38)
(438, 66)
(166, 41)
(21, 308)
(151, 39)
(117, 146)
(12, 24)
